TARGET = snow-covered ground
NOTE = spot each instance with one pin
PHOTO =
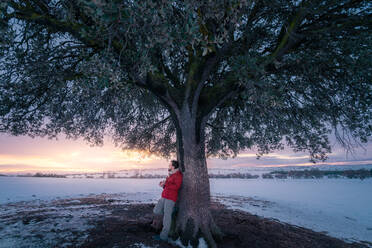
(29, 188)
(340, 207)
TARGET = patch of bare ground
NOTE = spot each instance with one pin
(130, 224)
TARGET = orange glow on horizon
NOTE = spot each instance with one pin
(273, 155)
(86, 159)
(25, 155)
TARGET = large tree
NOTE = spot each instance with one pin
(189, 78)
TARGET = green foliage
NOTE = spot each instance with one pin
(253, 74)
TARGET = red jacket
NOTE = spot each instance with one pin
(171, 186)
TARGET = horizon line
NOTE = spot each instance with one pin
(231, 167)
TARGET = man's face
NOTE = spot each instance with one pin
(170, 167)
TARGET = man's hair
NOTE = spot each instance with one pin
(175, 164)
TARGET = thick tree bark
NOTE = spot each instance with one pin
(194, 219)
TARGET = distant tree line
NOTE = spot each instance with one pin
(234, 175)
(230, 175)
(39, 174)
(115, 176)
(142, 176)
(316, 173)
(308, 174)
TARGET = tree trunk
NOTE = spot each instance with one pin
(194, 219)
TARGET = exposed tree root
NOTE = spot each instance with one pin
(193, 226)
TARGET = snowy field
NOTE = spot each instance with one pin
(341, 208)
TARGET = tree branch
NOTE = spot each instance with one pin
(209, 65)
(288, 39)
(169, 73)
(150, 129)
(75, 29)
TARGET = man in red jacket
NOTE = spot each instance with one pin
(168, 198)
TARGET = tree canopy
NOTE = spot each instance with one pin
(255, 74)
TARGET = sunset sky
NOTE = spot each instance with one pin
(24, 154)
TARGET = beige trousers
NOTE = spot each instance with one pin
(165, 207)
